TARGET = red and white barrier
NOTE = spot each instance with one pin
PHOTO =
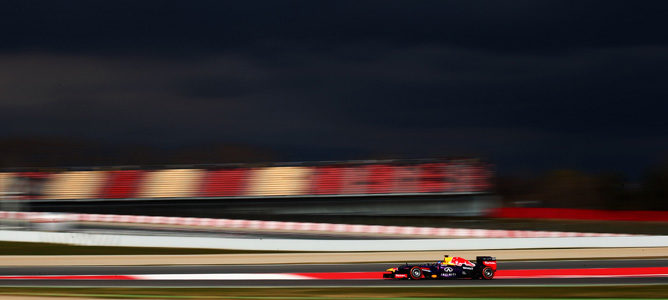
(298, 226)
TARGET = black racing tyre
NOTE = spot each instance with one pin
(487, 273)
(416, 273)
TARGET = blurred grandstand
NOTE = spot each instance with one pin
(458, 187)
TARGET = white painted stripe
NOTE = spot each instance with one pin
(287, 276)
(222, 276)
(272, 244)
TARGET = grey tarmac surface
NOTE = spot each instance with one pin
(126, 270)
(307, 268)
(327, 257)
(334, 283)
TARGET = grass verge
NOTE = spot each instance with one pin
(550, 292)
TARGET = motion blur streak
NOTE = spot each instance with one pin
(508, 274)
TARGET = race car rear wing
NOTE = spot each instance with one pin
(486, 261)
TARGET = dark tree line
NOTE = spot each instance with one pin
(576, 189)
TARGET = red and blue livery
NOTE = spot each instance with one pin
(450, 268)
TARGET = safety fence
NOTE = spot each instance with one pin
(331, 179)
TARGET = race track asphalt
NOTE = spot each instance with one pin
(306, 268)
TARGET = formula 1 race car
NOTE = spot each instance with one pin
(449, 268)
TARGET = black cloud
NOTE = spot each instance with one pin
(531, 84)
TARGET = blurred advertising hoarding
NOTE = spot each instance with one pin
(331, 179)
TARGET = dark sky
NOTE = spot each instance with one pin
(530, 85)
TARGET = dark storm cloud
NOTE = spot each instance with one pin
(528, 83)
(203, 26)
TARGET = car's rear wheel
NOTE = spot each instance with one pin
(416, 273)
(487, 273)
